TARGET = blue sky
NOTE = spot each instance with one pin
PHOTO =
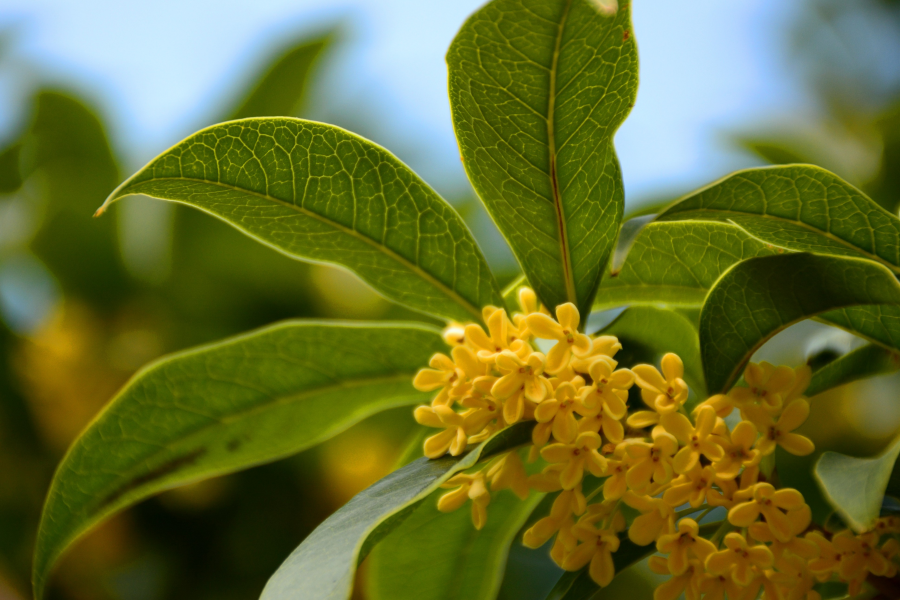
(155, 69)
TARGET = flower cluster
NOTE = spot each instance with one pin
(664, 463)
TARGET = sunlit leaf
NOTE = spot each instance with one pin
(863, 362)
(855, 486)
(660, 331)
(761, 296)
(225, 407)
(675, 264)
(322, 567)
(537, 91)
(441, 556)
(317, 192)
(799, 207)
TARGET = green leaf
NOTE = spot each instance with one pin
(225, 407)
(761, 296)
(537, 91)
(675, 264)
(441, 556)
(280, 91)
(661, 331)
(863, 362)
(855, 486)
(322, 567)
(878, 324)
(799, 207)
(317, 192)
(628, 233)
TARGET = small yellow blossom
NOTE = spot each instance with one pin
(608, 389)
(468, 487)
(715, 587)
(523, 380)
(779, 432)
(503, 336)
(859, 556)
(565, 331)
(651, 461)
(688, 583)
(596, 548)
(691, 487)
(766, 387)
(455, 435)
(763, 498)
(656, 518)
(508, 473)
(683, 543)
(737, 450)
(697, 440)
(451, 376)
(560, 412)
(603, 347)
(454, 334)
(794, 579)
(615, 485)
(799, 520)
(828, 559)
(564, 506)
(580, 454)
(738, 559)
(663, 392)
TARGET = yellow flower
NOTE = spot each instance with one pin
(596, 548)
(528, 302)
(608, 389)
(779, 432)
(794, 578)
(886, 525)
(766, 386)
(724, 496)
(651, 460)
(508, 473)
(664, 392)
(523, 379)
(576, 456)
(454, 334)
(656, 518)
(560, 411)
(696, 440)
(453, 438)
(565, 541)
(470, 487)
(739, 559)
(642, 419)
(688, 582)
(799, 520)
(802, 377)
(714, 587)
(568, 340)
(691, 487)
(565, 504)
(766, 580)
(737, 450)
(859, 556)
(828, 559)
(764, 499)
(686, 540)
(603, 347)
(449, 375)
(503, 336)
(615, 486)
(890, 550)
(721, 403)
(484, 417)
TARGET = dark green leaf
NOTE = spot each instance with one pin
(661, 331)
(537, 91)
(225, 407)
(855, 486)
(798, 207)
(10, 172)
(867, 361)
(440, 556)
(675, 264)
(317, 192)
(322, 567)
(761, 296)
(879, 324)
(280, 91)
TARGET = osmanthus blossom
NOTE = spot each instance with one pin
(657, 460)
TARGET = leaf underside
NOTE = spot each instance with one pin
(317, 192)
(225, 407)
(537, 91)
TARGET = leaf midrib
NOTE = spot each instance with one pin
(554, 180)
(452, 294)
(801, 224)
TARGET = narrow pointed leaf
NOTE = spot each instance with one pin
(225, 407)
(867, 361)
(675, 264)
(317, 192)
(799, 207)
(761, 296)
(441, 556)
(662, 331)
(323, 566)
(855, 486)
(537, 91)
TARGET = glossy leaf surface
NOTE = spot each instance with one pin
(322, 567)
(761, 296)
(855, 486)
(867, 361)
(800, 207)
(441, 556)
(675, 264)
(228, 406)
(537, 91)
(317, 192)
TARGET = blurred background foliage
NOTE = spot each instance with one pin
(85, 302)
